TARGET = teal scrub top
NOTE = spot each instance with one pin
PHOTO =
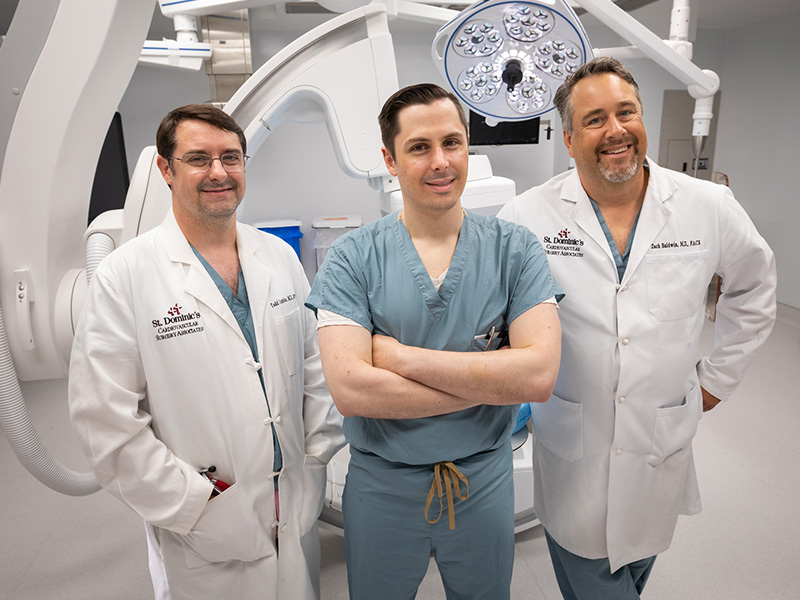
(374, 276)
(620, 260)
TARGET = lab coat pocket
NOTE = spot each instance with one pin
(676, 284)
(675, 427)
(315, 475)
(290, 338)
(558, 426)
(227, 530)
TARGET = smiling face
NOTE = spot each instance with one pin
(205, 199)
(608, 140)
(431, 155)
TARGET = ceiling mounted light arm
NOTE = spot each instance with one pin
(706, 82)
(673, 55)
(505, 59)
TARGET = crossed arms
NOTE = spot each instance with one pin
(377, 377)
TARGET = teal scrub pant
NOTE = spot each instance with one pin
(591, 579)
(389, 542)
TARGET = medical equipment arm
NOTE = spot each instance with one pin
(524, 372)
(309, 82)
(41, 246)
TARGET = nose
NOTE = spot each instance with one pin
(216, 171)
(615, 128)
(439, 160)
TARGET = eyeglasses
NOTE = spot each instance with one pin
(232, 162)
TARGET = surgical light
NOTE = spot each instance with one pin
(505, 60)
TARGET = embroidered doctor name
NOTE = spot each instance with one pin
(679, 244)
(562, 244)
(175, 324)
(284, 300)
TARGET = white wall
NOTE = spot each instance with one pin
(758, 135)
(295, 173)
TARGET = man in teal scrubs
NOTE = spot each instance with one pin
(411, 309)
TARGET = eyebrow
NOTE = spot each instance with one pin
(416, 140)
(227, 151)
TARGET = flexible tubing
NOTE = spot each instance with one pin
(19, 430)
(98, 246)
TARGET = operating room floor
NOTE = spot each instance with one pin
(745, 545)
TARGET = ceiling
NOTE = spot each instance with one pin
(711, 14)
(718, 14)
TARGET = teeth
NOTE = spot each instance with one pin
(620, 151)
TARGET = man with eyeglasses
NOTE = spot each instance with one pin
(196, 388)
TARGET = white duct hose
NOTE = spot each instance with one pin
(98, 246)
(22, 436)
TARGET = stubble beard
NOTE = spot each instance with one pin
(620, 174)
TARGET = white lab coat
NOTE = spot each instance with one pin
(613, 458)
(163, 383)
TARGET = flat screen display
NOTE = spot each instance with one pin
(505, 132)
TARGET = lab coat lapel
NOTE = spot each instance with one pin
(653, 218)
(257, 278)
(198, 282)
(583, 214)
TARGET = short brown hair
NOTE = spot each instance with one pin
(165, 136)
(598, 66)
(421, 93)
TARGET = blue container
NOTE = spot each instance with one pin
(523, 416)
(287, 230)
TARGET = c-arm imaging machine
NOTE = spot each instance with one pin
(70, 85)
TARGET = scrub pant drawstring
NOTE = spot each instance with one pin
(447, 470)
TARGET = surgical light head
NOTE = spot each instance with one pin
(505, 60)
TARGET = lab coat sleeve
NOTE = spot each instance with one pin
(747, 307)
(509, 211)
(107, 396)
(321, 419)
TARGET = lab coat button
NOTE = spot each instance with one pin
(621, 399)
(283, 528)
(625, 341)
(619, 451)
(268, 421)
(278, 419)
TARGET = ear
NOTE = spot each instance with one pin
(164, 168)
(567, 143)
(387, 158)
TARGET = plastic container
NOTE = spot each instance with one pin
(523, 416)
(286, 229)
(328, 229)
